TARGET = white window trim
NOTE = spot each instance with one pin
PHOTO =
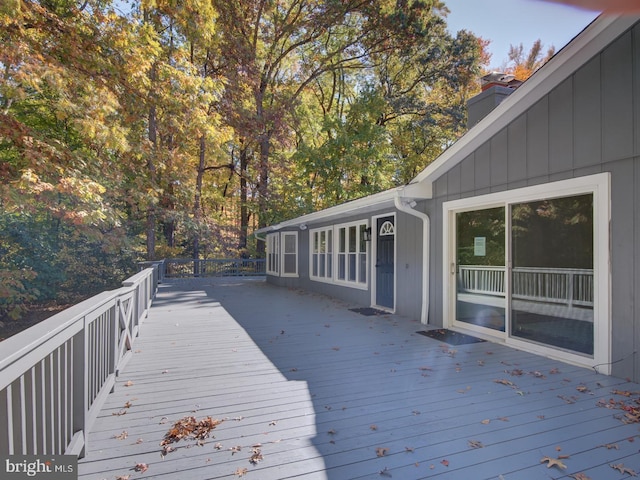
(599, 186)
(333, 279)
(325, 278)
(336, 255)
(273, 248)
(283, 254)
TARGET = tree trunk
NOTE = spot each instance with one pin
(263, 188)
(151, 167)
(197, 206)
(244, 194)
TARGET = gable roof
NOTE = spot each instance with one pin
(588, 43)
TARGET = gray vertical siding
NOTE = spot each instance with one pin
(589, 123)
(409, 254)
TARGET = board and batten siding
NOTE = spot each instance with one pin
(590, 123)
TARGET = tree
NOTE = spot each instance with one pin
(523, 64)
(59, 132)
(276, 51)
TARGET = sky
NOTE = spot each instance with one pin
(511, 22)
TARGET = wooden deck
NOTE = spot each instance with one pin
(312, 390)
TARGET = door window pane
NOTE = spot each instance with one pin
(552, 275)
(480, 256)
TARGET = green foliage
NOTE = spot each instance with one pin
(178, 128)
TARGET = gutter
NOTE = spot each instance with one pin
(405, 205)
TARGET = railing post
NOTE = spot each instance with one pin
(570, 289)
(80, 394)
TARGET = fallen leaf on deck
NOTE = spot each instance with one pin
(128, 404)
(123, 477)
(445, 462)
(218, 446)
(273, 423)
(516, 372)
(120, 413)
(485, 422)
(582, 388)
(190, 427)
(538, 374)
(570, 400)
(506, 382)
(240, 472)
(141, 467)
(579, 476)
(139, 440)
(335, 348)
(235, 449)
(475, 444)
(128, 383)
(503, 419)
(624, 393)
(256, 456)
(408, 449)
(385, 472)
(122, 436)
(373, 427)
(622, 469)
(553, 462)
(331, 432)
(381, 451)
(166, 450)
(611, 446)
(554, 371)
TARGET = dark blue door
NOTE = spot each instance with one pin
(385, 261)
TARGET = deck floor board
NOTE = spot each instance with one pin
(326, 393)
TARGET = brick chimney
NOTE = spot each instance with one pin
(496, 86)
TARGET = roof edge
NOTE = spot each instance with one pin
(588, 43)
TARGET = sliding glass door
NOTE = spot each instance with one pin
(531, 267)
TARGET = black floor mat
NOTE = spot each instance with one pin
(450, 337)
(368, 311)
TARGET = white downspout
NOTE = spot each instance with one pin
(426, 228)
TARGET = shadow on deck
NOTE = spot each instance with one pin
(312, 390)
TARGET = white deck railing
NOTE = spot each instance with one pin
(55, 376)
(567, 286)
(214, 267)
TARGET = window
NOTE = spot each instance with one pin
(321, 254)
(289, 254)
(340, 254)
(282, 254)
(273, 258)
(352, 254)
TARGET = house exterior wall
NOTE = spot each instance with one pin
(409, 247)
(590, 123)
